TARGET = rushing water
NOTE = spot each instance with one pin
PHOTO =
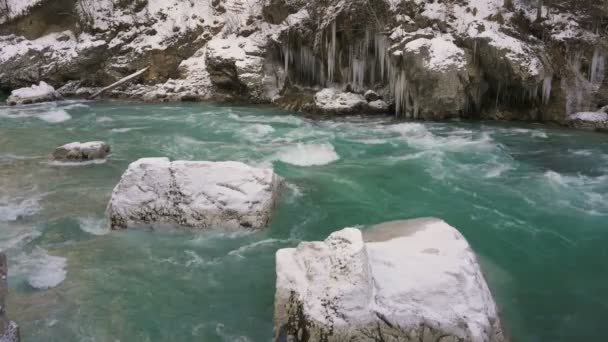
(532, 201)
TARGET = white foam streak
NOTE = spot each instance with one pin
(94, 226)
(308, 154)
(40, 269)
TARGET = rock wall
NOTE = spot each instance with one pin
(9, 331)
(428, 60)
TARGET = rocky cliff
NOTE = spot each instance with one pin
(497, 59)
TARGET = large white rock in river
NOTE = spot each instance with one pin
(42, 92)
(81, 152)
(414, 280)
(193, 194)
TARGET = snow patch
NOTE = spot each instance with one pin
(589, 116)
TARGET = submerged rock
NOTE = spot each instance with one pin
(34, 94)
(414, 280)
(193, 194)
(9, 330)
(81, 152)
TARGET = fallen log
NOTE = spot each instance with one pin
(119, 82)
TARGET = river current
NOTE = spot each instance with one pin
(532, 200)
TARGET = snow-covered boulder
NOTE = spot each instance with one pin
(9, 330)
(334, 101)
(589, 120)
(81, 152)
(436, 83)
(371, 96)
(414, 280)
(194, 194)
(42, 92)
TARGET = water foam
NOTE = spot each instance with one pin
(40, 269)
(308, 154)
(55, 116)
(94, 226)
(72, 164)
(13, 209)
(125, 129)
(104, 119)
(256, 131)
(419, 136)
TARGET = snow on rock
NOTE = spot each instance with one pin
(442, 53)
(237, 64)
(331, 100)
(589, 120)
(193, 194)
(34, 94)
(398, 281)
(589, 116)
(81, 152)
(15, 8)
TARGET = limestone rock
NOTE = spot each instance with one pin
(193, 194)
(81, 152)
(436, 83)
(414, 280)
(34, 94)
(9, 330)
(331, 100)
(589, 120)
(236, 65)
(371, 96)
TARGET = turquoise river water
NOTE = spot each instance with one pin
(532, 200)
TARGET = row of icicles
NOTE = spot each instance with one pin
(369, 64)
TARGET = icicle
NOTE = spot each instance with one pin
(400, 93)
(497, 95)
(547, 89)
(598, 68)
(475, 52)
(286, 57)
(331, 54)
(380, 50)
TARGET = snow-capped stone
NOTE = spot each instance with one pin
(589, 120)
(331, 100)
(440, 53)
(193, 194)
(81, 152)
(236, 64)
(399, 281)
(42, 92)
(378, 105)
(371, 96)
(9, 330)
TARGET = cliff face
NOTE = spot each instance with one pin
(428, 59)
